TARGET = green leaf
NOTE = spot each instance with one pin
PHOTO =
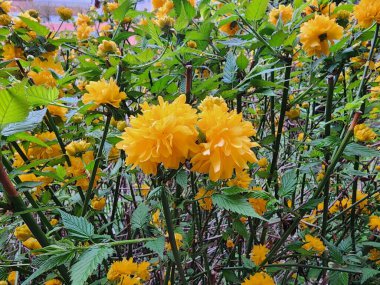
(288, 184)
(278, 38)
(233, 190)
(87, 263)
(13, 105)
(157, 246)
(240, 228)
(35, 26)
(153, 32)
(120, 12)
(78, 227)
(334, 252)
(40, 95)
(242, 61)
(25, 137)
(338, 278)
(235, 203)
(256, 9)
(230, 68)
(46, 263)
(356, 149)
(181, 179)
(32, 121)
(183, 19)
(368, 273)
(140, 217)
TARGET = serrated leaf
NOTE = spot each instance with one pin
(256, 9)
(240, 228)
(35, 26)
(157, 246)
(40, 95)
(13, 105)
(235, 203)
(87, 264)
(288, 184)
(140, 217)
(242, 61)
(181, 179)
(233, 190)
(78, 227)
(119, 13)
(338, 278)
(32, 121)
(230, 68)
(368, 273)
(334, 252)
(46, 263)
(356, 149)
(25, 137)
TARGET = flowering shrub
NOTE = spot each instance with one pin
(204, 142)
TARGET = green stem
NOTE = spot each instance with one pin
(169, 224)
(96, 165)
(354, 190)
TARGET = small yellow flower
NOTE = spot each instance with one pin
(32, 244)
(260, 278)
(145, 189)
(108, 47)
(22, 233)
(323, 8)
(242, 179)
(204, 199)
(5, 6)
(64, 13)
(156, 221)
(128, 272)
(77, 148)
(53, 282)
(293, 113)
(262, 162)
(364, 133)
(283, 12)
(58, 111)
(314, 244)
(12, 277)
(374, 222)
(5, 20)
(83, 19)
(230, 243)
(374, 255)
(191, 44)
(230, 28)
(165, 23)
(259, 254)
(103, 92)
(178, 241)
(98, 203)
(53, 222)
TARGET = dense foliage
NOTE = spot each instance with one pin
(209, 142)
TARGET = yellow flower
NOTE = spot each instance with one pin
(22, 233)
(230, 243)
(58, 111)
(78, 169)
(258, 204)
(5, 6)
(3, 282)
(164, 133)
(83, 19)
(260, 278)
(145, 189)
(32, 15)
(32, 244)
(259, 254)
(314, 244)
(192, 2)
(262, 162)
(230, 28)
(165, 22)
(204, 199)
(156, 218)
(12, 277)
(43, 77)
(53, 282)
(308, 221)
(76, 148)
(343, 18)
(228, 145)
(367, 12)
(191, 44)
(317, 33)
(374, 222)
(5, 20)
(293, 113)
(112, 6)
(103, 92)
(283, 12)
(325, 8)
(374, 255)
(48, 61)
(10, 52)
(40, 152)
(83, 32)
(364, 133)
(98, 203)
(108, 47)
(127, 272)
(242, 180)
(158, 3)
(64, 13)
(360, 195)
(178, 241)
(53, 222)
